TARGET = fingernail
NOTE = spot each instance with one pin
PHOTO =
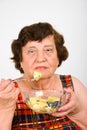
(60, 110)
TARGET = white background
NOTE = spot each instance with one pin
(69, 17)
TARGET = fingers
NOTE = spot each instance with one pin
(8, 89)
(68, 90)
(8, 94)
(70, 100)
(11, 93)
(4, 83)
(70, 105)
(60, 114)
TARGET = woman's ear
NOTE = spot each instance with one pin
(21, 65)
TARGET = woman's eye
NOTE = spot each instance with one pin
(49, 49)
(31, 51)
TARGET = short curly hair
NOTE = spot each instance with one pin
(37, 32)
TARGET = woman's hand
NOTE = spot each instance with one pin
(71, 106)
(8, 95)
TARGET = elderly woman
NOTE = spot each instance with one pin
(40, 48)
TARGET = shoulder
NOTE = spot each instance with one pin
(79, 87)
(80, 91)
(77, 82)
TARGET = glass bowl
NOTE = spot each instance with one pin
(45, 101)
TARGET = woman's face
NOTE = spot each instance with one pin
(40, 56)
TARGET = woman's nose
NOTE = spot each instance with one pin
(40, 57)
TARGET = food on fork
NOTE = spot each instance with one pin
(37, 75)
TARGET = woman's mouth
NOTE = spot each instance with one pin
(41, 68)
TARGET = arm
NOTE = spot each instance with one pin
(8, 97)
(76, 108)
(6, 117)
(81, 115)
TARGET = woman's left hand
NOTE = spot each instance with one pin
(71, 107)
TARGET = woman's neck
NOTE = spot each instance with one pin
(48, 83)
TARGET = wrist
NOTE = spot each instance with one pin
(6, 117)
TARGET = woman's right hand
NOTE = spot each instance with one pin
(8, 95)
